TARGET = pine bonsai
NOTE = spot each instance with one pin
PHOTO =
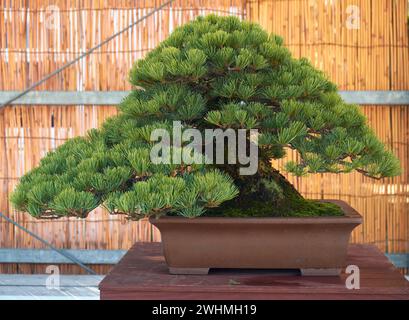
(215, 72)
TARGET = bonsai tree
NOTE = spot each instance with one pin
(214, 72)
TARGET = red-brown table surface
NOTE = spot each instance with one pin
(143, 274)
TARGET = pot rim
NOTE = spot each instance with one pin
(351, 217)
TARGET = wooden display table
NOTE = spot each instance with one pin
(143, 274)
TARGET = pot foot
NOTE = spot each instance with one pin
(321, 272)
(189, 271)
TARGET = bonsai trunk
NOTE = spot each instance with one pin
(267, 193)
(269, 186)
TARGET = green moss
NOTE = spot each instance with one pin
(295, 208)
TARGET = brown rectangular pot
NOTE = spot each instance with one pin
(315, 245)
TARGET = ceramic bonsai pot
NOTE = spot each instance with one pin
(315, 245)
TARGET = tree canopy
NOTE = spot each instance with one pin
(214, 72)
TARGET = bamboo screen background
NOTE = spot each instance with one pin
(37, 37)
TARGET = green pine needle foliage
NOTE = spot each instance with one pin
(214, 72)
